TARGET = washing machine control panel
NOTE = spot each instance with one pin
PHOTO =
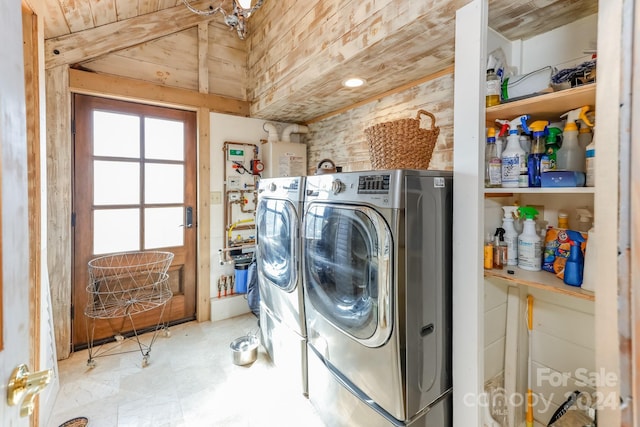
(373, 184)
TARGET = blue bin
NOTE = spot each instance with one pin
(241, 278)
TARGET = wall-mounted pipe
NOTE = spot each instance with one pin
(271, 130)
(286, 133)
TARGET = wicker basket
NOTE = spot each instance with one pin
(402, 144)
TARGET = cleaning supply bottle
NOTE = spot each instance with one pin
(574, 268)
(492, 88)
(525, 144)
(590, 155)
(563, 220)
(590, 259)
(513, 157)
(549, 159)
(492, 162)
(499, 249)
(584, 219)
(537, 151)
(571, 157)
(510, 234)
(501, 139)
(584, 134)
(529, 242)
(488, 252)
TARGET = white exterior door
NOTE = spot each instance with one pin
(14, 285)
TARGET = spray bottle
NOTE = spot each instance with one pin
(571, 157)
(501, 138)
(574, 268)
(529, 242)
(584, 134)
(549, 159)
(492, 162)
(510, 234)
(513, 157)
(584, 219)
(590, 154)
(499, 249)
(537, 151)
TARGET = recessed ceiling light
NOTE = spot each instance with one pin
(353, 82)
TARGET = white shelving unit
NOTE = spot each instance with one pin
(470, 119)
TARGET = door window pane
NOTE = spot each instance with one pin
(163, 227)
(116, 135)
(164, 183)
(116, 230)
(163, 139)
(116, 183)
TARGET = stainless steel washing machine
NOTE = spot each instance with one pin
(282, 320)
(377, 287)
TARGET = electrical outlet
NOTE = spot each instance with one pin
(216, 197)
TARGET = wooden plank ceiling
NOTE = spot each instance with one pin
(291, 66)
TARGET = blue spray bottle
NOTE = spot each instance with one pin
(574, 267)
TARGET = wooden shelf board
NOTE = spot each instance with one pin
(541, 190)
(548, 106)
(539, 279)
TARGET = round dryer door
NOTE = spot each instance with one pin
(277, 226)
(347, 269)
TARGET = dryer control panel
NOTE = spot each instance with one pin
(373, 184)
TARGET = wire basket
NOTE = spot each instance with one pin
(402, 144)
(128, 283)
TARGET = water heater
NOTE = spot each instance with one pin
(282, 158)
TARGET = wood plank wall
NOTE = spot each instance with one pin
(173, 61)
(59, 166)
(341, 138)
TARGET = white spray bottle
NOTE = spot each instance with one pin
(529, 242)
(510, 234)
(570, 156)
(514, 159)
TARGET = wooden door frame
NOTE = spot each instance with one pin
(183, 303)
(32, 30)
(122, 89)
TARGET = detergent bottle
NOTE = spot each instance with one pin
(513, 157)
(571, 157)
(492, 162)
(537, 151)
(529, 242)
(549, 159)
(501, 139)
(574, 268)
(510, 234)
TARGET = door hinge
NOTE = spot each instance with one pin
(73, 219)
(73, 127)
(72, 312)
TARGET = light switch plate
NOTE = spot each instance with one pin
(216, 197)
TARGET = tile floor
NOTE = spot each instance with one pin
(190, 381)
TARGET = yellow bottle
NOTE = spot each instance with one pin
(492, 88)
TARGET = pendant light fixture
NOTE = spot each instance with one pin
(236, 19)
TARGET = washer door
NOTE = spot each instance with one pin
(277, 227)
(347, 269)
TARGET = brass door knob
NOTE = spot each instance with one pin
(24, 386)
